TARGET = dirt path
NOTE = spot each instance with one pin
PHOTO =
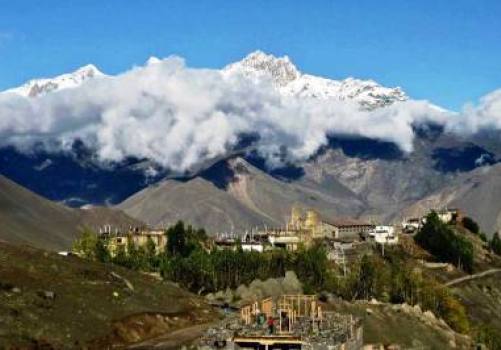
(173, 340)
(472, 277)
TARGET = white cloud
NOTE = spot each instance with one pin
(179, 116)
(486, 115)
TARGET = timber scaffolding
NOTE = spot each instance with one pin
(287, 322)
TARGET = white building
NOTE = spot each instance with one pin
(253, 247)
(383, 235)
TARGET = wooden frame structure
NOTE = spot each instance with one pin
(303, 305)
(286, 311)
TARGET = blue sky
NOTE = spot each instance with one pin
(446, 51)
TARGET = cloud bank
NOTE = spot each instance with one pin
(179, 116)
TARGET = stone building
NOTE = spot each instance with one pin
(138, 236)
(350, 229)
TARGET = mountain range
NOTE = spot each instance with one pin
(351, 176)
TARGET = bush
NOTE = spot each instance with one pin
(471, 225)
(85, 246)
(454, 314)
(488, 336)
(495, 243)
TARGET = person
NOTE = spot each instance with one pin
(271, 325)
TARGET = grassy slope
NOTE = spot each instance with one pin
(386, 325)
(482, 299)
(85, 308)
(30, 219)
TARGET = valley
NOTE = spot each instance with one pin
(250, 175)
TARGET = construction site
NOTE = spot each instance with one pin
(286, 322)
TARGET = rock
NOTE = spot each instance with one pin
(210, 297)
(124, 280)
(429, 315)
(443, 323)
(369, 311)
(406, 308)
(219, 295)
(47, 294)
(417, 309)
(374, 301)
(228, 295)
(16, 290)
(393, 347)
(115, 294)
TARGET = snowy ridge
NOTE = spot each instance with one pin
(39, 87)
(288, 80)
(291, 82)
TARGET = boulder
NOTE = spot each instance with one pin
(47, 294)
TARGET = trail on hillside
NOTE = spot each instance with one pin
(472, 277)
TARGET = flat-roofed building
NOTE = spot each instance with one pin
(138, 236)
(350, 229)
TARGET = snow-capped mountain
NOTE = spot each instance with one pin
(39, 87)
(291, 82)
(288, 80)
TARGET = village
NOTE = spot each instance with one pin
(284, 320)
(341, 237)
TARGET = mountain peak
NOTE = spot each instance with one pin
(89, 70)
(280, 69)
(39, 87)
(291, 82)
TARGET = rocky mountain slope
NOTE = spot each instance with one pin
(477, 193)
(358, 178)
(30, 219)
(234, 195)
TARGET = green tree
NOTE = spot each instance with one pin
(440, 240)
(85, 246)
(101, 252)
(121, 257)
(495, 243)
(151, 254)
(176, 240)
(366, 278)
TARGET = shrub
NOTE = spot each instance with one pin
(85, 246)
(495, 243)
(471, 225)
